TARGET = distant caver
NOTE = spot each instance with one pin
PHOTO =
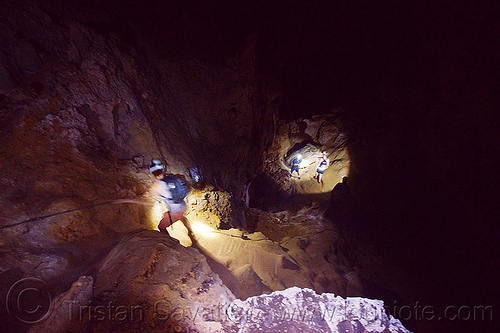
(322, 164)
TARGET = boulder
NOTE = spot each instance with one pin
(67, 315)
(302, 310)
(149, 282)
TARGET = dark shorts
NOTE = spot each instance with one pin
(295, 168)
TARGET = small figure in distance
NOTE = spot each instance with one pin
(341, 193)
(172, 191)
(322, 164)
(295, 165)
(341, 202)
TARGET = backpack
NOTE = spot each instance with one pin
(195, 173)
(178, 189)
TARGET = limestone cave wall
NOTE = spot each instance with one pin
(83, 110)
(91, 91)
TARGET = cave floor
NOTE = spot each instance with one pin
(288, 249)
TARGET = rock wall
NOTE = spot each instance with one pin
(83, 109)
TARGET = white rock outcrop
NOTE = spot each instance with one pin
(302, 310)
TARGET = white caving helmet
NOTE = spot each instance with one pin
(155, 165)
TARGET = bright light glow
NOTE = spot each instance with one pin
(305, 163)
(156, 214)
(200, 228)
(178, 231)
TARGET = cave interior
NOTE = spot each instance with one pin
(400, 95)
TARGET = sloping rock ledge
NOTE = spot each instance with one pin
(151, 283)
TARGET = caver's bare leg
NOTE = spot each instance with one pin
(165, 222)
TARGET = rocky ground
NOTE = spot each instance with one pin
(149, 282)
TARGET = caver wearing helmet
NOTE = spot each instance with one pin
(296, 165)
(322, 165)
(172, 191)
(156, 165)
